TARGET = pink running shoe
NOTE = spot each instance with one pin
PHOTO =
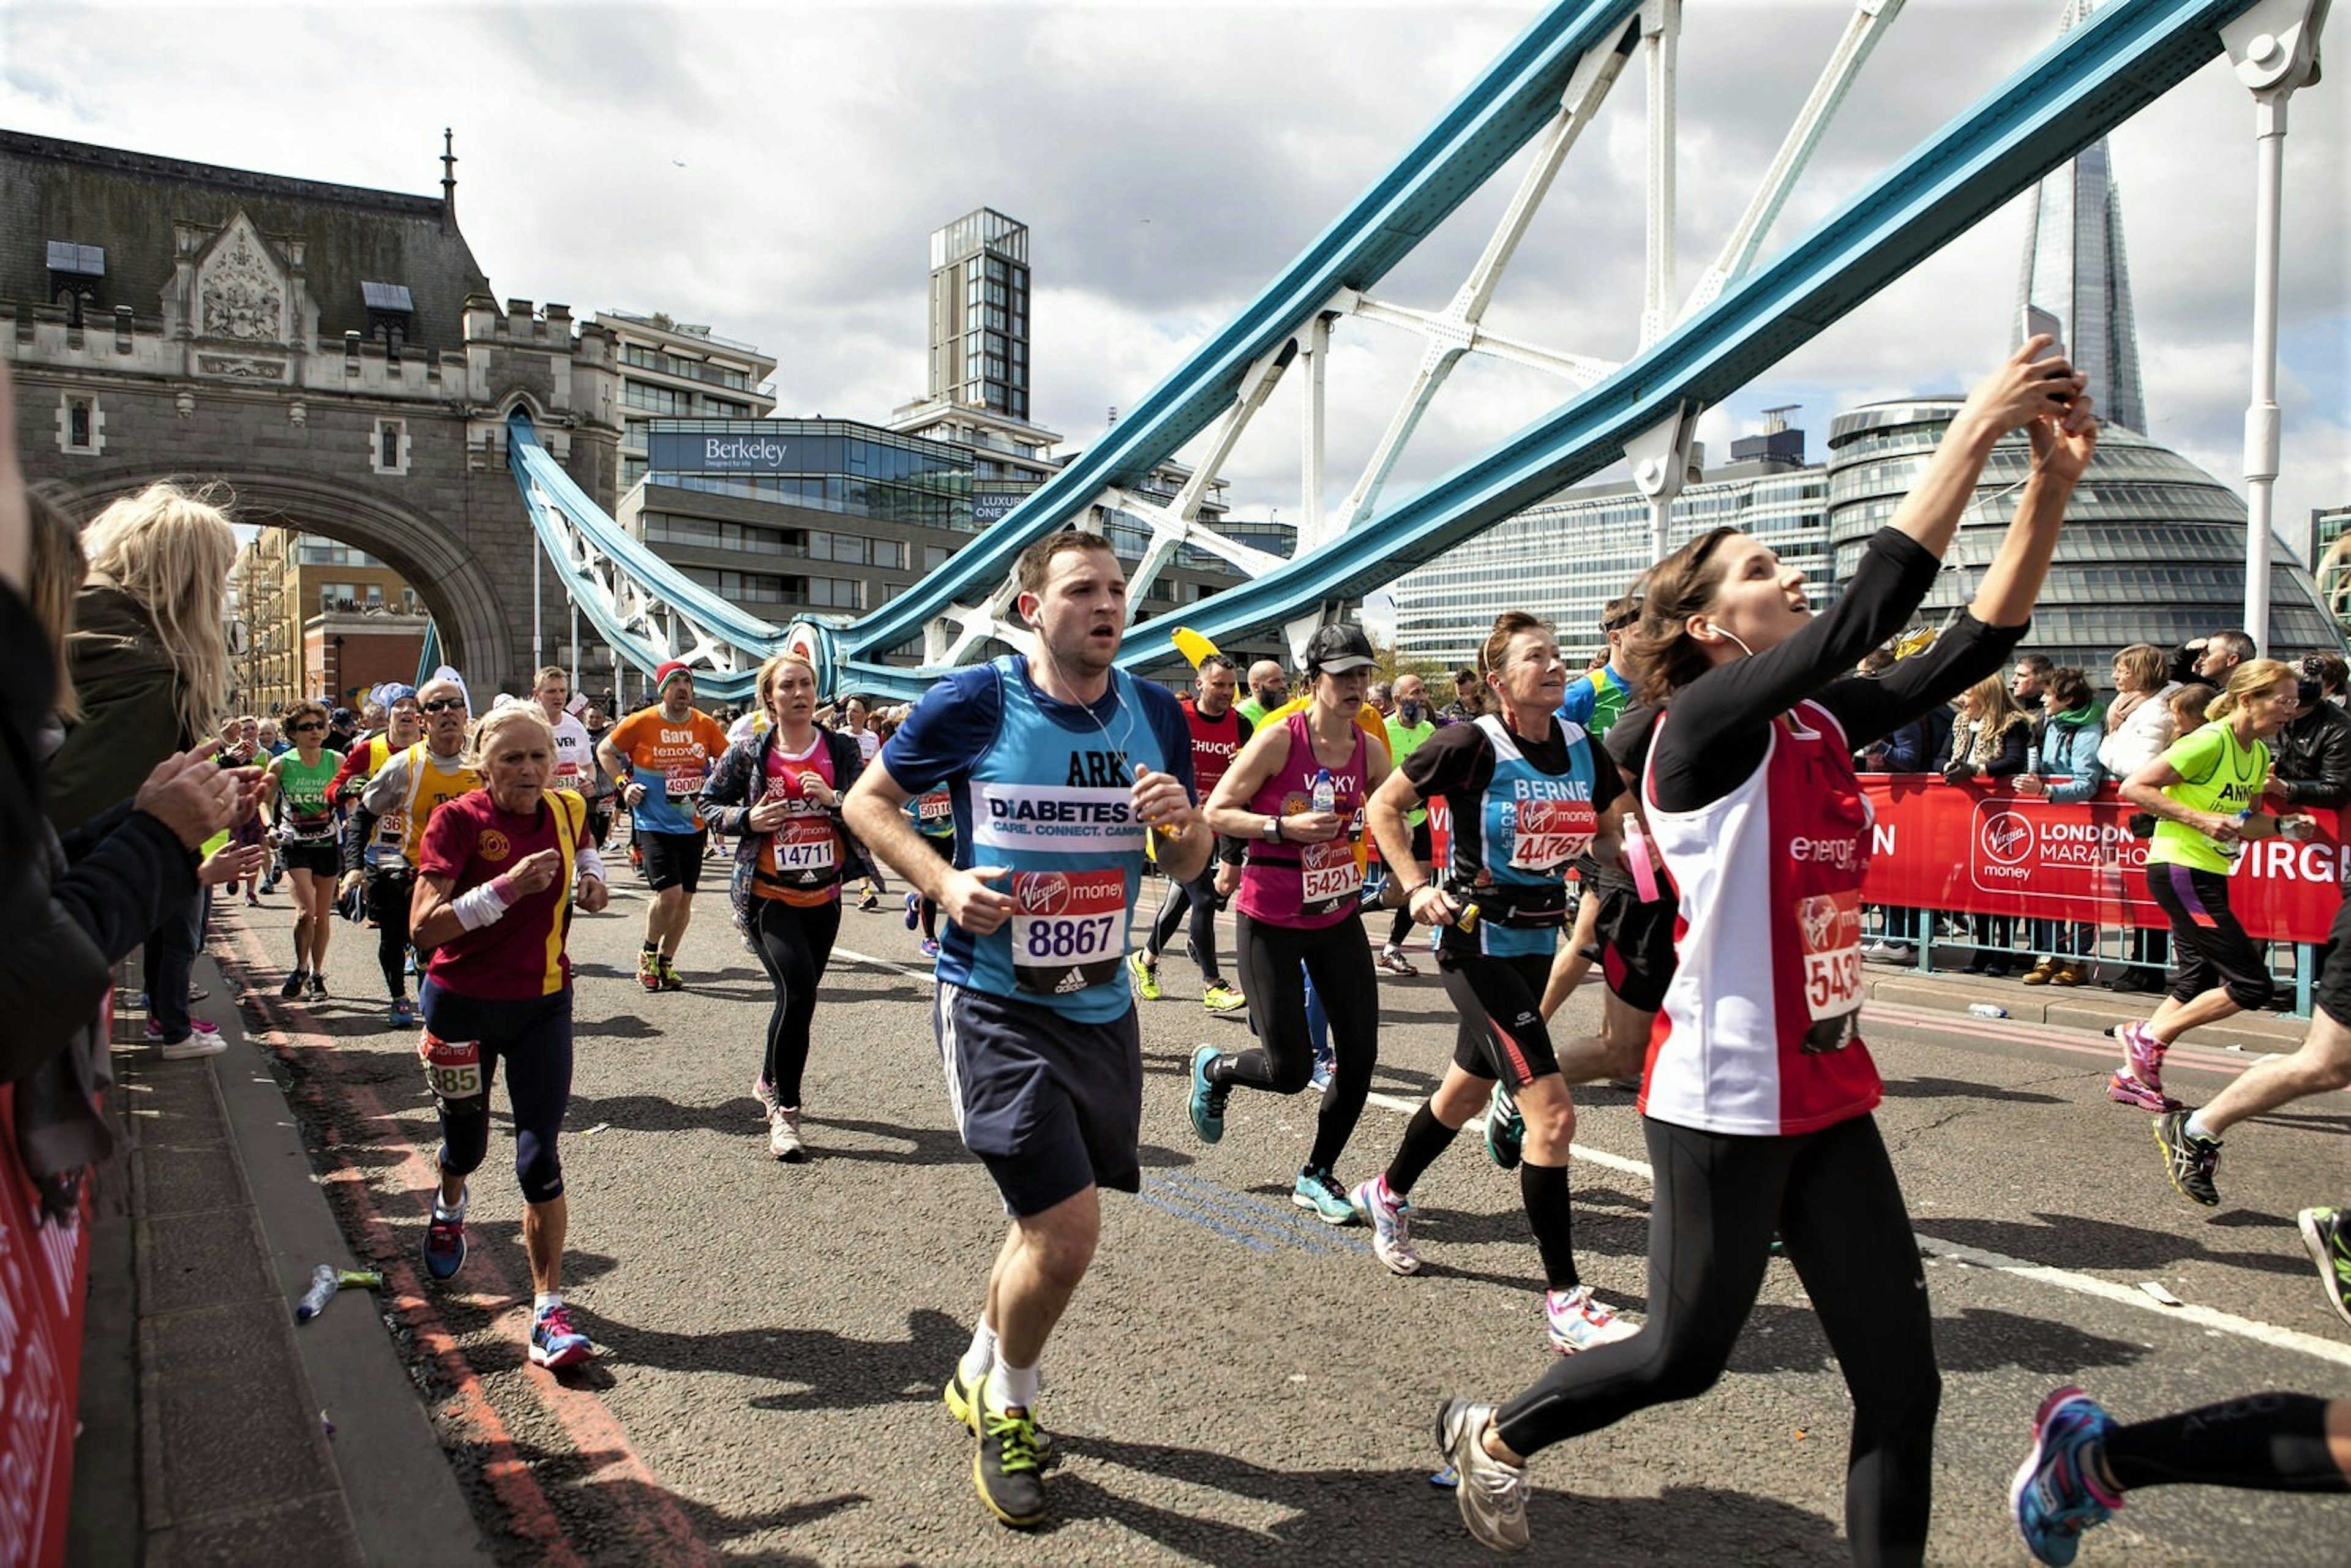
(2130, 1089)
(2139, 1082)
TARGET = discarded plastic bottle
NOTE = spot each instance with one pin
(1987, 1010)
(1326, 793)
(325, 1280)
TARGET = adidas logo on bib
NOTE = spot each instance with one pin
(1072, 981)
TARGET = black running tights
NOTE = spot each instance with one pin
(1834, 1198)
(1283, 1059)
(1198, 896)
(795, 943)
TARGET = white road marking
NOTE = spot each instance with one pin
(924, 975)
(2269, 1334)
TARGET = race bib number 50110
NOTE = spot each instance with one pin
(1068, 929)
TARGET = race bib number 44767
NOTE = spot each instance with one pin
(1069, 929)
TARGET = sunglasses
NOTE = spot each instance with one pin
(304, 728)
(441, 705)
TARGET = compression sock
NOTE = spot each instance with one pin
(1543, 1189)
(2265, 1442)
(1425, 1138)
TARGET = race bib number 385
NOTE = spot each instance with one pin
(1068, 929)
(454, 1067)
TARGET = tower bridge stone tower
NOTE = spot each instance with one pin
(332, 354)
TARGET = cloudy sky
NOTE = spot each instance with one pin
(775, 171)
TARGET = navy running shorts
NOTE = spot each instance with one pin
(1050, 1106)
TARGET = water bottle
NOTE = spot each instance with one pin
(325, 1280)
(1987, 1010)
(2236, 846)
(1326, 793)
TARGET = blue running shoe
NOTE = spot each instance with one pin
(2057, 1493)
(913, 910)
(1506, 1129)
(403, 1014)
(554, 1343)
(1319, 1193)
(1208, 1099)
(445, 1239)
(1326, 1063)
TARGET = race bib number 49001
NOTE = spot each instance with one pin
(1551, 833)
(1068, 929)
(1828, 924)
(454, 1067)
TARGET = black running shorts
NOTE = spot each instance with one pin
(1050, 1106)
(672, 860)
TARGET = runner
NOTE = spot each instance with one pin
(1218, 733)
(403, 727)
(932, 814)
(2204, 793)
(294, 793)
(1406, 727)
(662, 755)
(1759, 1093)
(1056, 764)
(857, 714)
(2083, 1461)
(1296, 796)
(575, 754)
(388, 830)
(1529, 794)
(1595, 699)
(493, 908)
(780, 792)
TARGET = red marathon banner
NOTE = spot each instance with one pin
(1973, 849)
(42, 1271)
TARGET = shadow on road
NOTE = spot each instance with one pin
(833, 1370)
(1955, 1089)
(2086, 1243)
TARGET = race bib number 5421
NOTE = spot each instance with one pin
(1068, 929)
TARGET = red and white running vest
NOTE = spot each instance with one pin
(1758, 1031)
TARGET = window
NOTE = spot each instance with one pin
(81, 424)
(388, 449)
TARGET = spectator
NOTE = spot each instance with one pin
(1913, 748)
(1993, 739)
(2210, 659)
(2313, 749)
(1380, 696)
(150, 665)
(1269, 689)
(2026, 683)
(2065, 769)
(1468, 698)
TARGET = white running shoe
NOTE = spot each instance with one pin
(1492, 1495)
(1390, 1218)
(784, 1135)
(1579, 1321)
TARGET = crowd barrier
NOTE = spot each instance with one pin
(43, 1272)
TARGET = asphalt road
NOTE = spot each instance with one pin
(1236, 1383)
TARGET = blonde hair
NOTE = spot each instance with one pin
(170, 550)
(508, 713)
(2143, 665)
(1999, 714)
(2244, 680)
(52, 577)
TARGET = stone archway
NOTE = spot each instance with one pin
(457, 587)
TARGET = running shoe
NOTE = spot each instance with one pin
(293, 985)
(2126, 1089)
(1580, 1321)
(869, 900)
(670, 980)
(649, 969)
(2057, 1493)
(202, 1039)
(2188, 1160)
(444, 1238)
(930, 947)
(765, 1093)
(403, 1014)
(1392, 961)
(1326, 1064)
(913, 910)
(2325, 1233)
(197, 1028)
(1220, 998)
(963, 1403)
(1390, 1218)
(1492, 1495)
(2143, 1056)
(1006, 1469)
(1208, 1106)
(1319, 1192)
(1506, 1129)
(784, 1135)
(554, 1343)
(1145, 975)
(314, 986)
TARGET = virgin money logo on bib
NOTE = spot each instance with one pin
(1045, 893)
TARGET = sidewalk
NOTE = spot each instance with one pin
(213, 1430)
(2090, 1007)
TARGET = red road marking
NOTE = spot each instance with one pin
(663, 1533)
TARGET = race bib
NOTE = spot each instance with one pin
(454, 1067)
(1828, 924)
(935, 808)
(1067, 929)
(1330, 877)
(1551, 833)
(683, 783)
(804, 844)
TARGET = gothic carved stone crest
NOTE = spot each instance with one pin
(240, 291)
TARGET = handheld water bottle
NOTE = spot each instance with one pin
(1326, 792)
